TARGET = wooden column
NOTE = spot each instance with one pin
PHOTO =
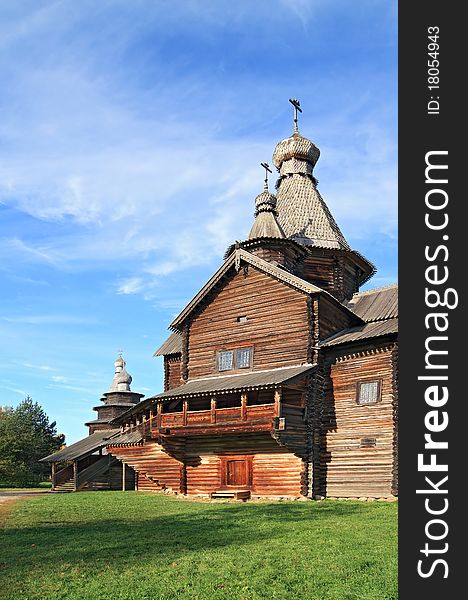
(75, 474)
(53, 475)
(213, 410)
(159, 414)
(184, 411)
(244, 407)
(278, 402)
(123, 476)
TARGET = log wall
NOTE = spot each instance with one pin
(276, 325)
(347, 469)
(275, 471)
(332, 319)
(332, 272)
(172, 371)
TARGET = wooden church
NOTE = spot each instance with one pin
(280, 376)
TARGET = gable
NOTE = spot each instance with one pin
(235, 262)
(250, 310)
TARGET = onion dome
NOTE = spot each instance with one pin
(265, 225)
(296, 154)
(122, 379)
(302, 213)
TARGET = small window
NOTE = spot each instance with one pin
(225, 360)
(368, 392)
(243, 358)
(368, 442)
(242, 319)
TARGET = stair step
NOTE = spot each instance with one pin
(236, 494)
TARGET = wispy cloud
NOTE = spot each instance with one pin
(131, 137)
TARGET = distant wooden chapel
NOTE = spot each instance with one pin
(280, 376)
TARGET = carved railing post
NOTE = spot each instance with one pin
(213, 410)
(278, 402)
(244, 407)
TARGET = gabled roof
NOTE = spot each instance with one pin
(87, 445)
(173, 345)
(235, 260)
(378, 308)
(377, 304)
(363, 332)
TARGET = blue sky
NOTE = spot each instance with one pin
(130, 140)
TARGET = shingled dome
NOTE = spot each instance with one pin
(295, 147)
(302, 212)
(265, 225)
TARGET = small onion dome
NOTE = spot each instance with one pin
(119, 364)
(265, 224)
(295, 147)
(265, 202)
(122, 379)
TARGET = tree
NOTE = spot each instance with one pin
(26, 436)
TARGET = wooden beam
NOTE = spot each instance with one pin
(278, 394)
(184, 411)
(53, 474)
(75, 474)
(244, 407)
(159, 414)
(213, 410)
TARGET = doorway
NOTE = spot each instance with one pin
(236, 472)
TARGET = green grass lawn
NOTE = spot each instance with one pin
(132, 545)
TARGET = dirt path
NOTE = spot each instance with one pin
(8, 499)
(6, 495)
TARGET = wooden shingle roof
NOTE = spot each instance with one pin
(378, 308)
(363, 332)
(173, 345)
(252, 380)
(87, 445)
(377, 304)
(238, 382)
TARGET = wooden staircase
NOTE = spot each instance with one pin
(92, 477)
(66, 486)
(150, 461)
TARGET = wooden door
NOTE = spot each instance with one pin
(236, 472)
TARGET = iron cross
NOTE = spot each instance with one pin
(297, 107)
(266, 166)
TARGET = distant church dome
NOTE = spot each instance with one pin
(122, 379)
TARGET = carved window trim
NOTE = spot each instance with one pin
(378, 393)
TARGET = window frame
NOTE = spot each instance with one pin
(378, 381)
(218, 362)
(235, 366)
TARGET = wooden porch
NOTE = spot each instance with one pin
(165, 421)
